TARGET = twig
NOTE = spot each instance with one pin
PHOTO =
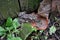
(57, 37)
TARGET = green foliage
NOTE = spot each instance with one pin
(36, 37)
(26, 30)
(9, 22)
(10, 25)
(2, 31)
(15, 23)
(41, 31)
(56, 18)
(52, 30)
(11, 37)
(28, 25)
(8, 8)
(45, 37)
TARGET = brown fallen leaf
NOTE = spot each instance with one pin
(56, 6)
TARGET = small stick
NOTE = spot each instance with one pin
(57, 37)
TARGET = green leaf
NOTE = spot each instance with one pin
(10, 37)
(26, 30)
(9, 28)
(56, 18)
(52, 30)
(45, 37)
(2, 31)
(9, 21)
(16, 31)
(14, 38)
(15, 23)
(41, 31)
(28, 25)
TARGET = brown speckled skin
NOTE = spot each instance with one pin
(43, 12)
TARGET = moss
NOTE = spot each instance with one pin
(8, 8)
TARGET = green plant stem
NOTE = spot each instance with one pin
(3, 36)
